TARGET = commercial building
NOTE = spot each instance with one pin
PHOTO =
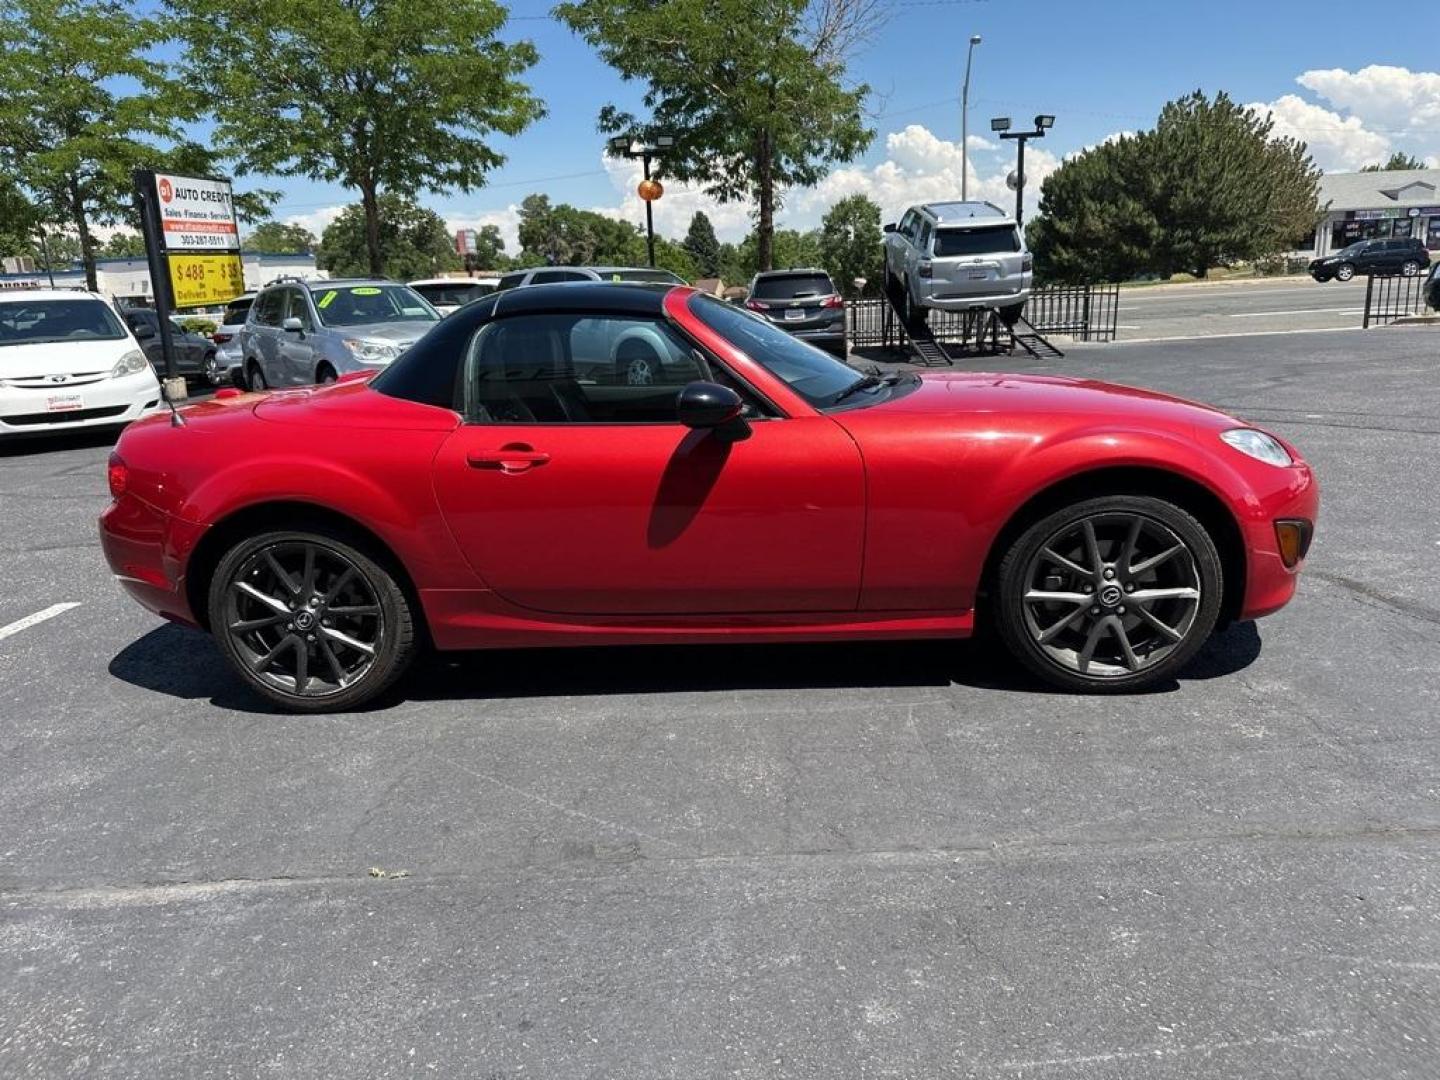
(1378, 205)
(128, 280)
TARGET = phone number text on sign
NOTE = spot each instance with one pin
(198, 280)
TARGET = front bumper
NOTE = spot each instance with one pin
(1269, 583)
(107, 403)
(148, 551)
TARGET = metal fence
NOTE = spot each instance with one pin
(1393, 296)
(1084, 312)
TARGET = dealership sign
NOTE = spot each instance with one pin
(193, 222)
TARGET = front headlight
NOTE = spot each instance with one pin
(129, 364)
(371, 352)
(1258, 445)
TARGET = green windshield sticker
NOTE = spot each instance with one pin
(365, 290)
(324, 301)
(614, 277)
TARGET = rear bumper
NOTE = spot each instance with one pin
(148, 551)
(932, 296)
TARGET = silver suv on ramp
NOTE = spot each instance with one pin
(304, 332)
(952, 256)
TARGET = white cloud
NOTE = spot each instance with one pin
(675, 208)
(979, 142)
(1337, 143)
(1394, 99)
(315, 220)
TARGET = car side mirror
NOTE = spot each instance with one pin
(143, 331)
(890, 227)
(292, 325)
(706, 405)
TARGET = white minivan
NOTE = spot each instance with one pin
(67, 361)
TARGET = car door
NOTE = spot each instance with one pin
(260, 334)
(146, 328)
(586, 496)
(296, 350)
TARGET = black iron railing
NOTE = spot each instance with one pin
(1084, 312)
(1393, 296)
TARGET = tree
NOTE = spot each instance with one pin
(81, 107)
(18, 219)
(851, 245)
(703, 246)
(489, 250)
(124, 245)
(561, 235)
(1398, 160)
(414, 242)
(280, 238)
(789, 247)
(390, 96)
(1210, 185)
(753, 91)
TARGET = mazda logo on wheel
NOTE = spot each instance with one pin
(1110, 595)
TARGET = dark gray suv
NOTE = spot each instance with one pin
(804, 303)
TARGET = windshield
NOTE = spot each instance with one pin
(236, 310)
(816, 376)
(1353, 249)
(986, 240)
(35, 322)
(792, 286)
(358, 305)
(457, 293)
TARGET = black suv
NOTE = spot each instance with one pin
(803, 302)
(1406, 257)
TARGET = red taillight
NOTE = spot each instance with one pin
(924, 268)
(1027, 264)
(118, 474)
(832, 301)
(756, 305)
(220, 339)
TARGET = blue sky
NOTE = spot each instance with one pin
(1100, 67)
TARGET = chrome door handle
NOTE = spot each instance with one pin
(510, 459)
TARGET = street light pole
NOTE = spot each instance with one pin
(1001, 126)
(965, 121)
(650, 190)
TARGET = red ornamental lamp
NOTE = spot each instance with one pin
(650, 190)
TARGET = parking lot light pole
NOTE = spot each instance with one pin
(965, 121)
(1001, 126)
(649, 190)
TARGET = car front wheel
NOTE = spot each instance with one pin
(1109, 594)
(309, 621)
(1410, 268)
(1344, 272)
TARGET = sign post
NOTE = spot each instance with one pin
(192, 245)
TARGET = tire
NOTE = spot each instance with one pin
(324, 374)
(1050, 560)
(255, 377)
(1344, 272)
(339, 673)
(212, 373)
(1410, 268)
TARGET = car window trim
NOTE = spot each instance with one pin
(469, 406)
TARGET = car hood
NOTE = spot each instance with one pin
(402, 333)
(980, 393)
(62, 357)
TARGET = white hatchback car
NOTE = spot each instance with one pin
(67, 361)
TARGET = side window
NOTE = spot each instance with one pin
(907, 224)
(509, 281)
(268, 307)
(544, 277)
(579, 369)
(296, 308)
(925, 237)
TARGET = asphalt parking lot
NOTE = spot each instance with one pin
(857, 861)
(1239, 307)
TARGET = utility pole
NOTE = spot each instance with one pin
(965, 122)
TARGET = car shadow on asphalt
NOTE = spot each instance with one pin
(187, 664)
(54, 442)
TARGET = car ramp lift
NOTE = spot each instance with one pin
(975, 332)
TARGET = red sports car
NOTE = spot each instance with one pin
(597, 464)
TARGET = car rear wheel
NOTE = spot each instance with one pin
(1109, 594)
(310, 622)
(1344, 272)
(1410, 268)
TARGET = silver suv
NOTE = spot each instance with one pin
(304, 332)
(957, 255)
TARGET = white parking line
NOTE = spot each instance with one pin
(1299, 311)
(39, 617)
(1251, 333)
